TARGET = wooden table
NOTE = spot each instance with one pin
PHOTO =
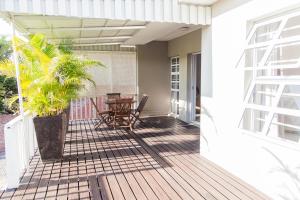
(120, 113)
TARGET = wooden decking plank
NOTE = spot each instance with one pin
(186, 166)
(237, 182)
(149, 173)
(135, 166)
(112, 178)
(155, 166)
(130, 177)
(223, 189)
(144, 169)
(96, 172)
(240, 186)
(159, 160)
(182, 168)
(115, 163)
(1, 193)
(104, 188)
(94, 188)
(42, 187)
(27, 179)
(62, 188)
(104, 182)
(8, 194)
(159, 180)
(179, 183)
(84, 191)
(168, 176)
(242, 190)
(73, 187)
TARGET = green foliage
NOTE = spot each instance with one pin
(50, 76)
(8, 85)
(5, 48)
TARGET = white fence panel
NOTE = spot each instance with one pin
(20, 145)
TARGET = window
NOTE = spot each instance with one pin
(175, 86)
(272, 56)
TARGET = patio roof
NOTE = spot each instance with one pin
(93, 25)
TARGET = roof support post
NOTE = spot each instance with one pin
(17, 67)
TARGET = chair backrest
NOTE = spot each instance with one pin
(113, 96)
(142, 103)
(95, 105)
(123, 107)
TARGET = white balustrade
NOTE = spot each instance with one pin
(20, 146)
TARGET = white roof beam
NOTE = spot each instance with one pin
(87, 28)
(94, 38)
(198, 2)
(96, 44)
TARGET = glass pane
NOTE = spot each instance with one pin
(175, 85)
(173, 68)
(263, 94)
(284, 54)
(264, 33)
(173, 61)
(279, 72)
(292, 28)
(285, 126)
(174, 95)
(253, 120)
(290, 97)
(175, 77)
(252, 57)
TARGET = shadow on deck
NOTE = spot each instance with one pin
(159, 160)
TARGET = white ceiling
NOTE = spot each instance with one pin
(93, 32)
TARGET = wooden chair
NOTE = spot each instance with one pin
(121, 113)
(103, 117)
(112, 96)
(136, 112)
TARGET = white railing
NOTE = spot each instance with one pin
(20, 145)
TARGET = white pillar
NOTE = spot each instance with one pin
(16, 62)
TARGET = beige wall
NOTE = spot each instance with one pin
(182, 46)
(154, 77)
(118, 75)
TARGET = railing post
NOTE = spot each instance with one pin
(12, 151)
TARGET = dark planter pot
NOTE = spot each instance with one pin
(50, 134)
(67, 113)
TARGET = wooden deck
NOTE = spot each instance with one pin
(159, 160)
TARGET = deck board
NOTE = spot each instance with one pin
(160, 159)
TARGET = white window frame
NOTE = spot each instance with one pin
(175, 102)
(272, 109)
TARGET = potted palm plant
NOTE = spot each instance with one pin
(50, 75)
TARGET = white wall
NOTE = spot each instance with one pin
(181, 47)
(269, 165)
